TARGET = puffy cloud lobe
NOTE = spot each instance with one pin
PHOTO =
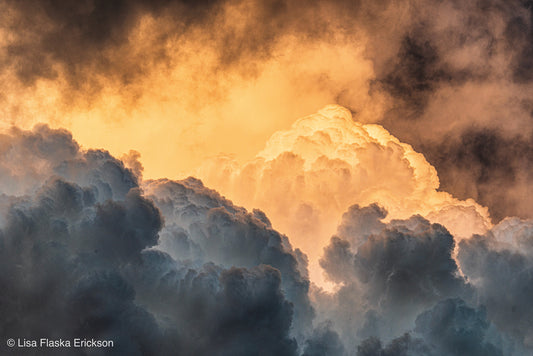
(211, 310)
(48, 153)
(41, 150)
(389, 273)
(400, 277)
(409, 264)
(500, 266)
(324, 341)
(213, 229)
(402, 346)
(358, 223)
(295, 163)
(61, 258)
(452, 327)
(82, 250)
(449, 328)
(515, 234)
(308, 175)
(102, 305)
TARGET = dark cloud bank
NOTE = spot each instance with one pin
(78, 258)
(171, 267)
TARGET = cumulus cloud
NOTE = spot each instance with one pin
(500, 265)
(82, 248)
(452, 327)
(308, 175)
(165, 266)
(204, 227)
(62, 252)
(389, 274)
(449, 328)
(404, 291)
(49, 153)
(324, 341)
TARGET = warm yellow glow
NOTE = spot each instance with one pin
(306, 177)
(181, 111)
(187, 117)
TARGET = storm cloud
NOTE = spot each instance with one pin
(402, 291)
(388, 275)
(449, 328)
(82, 248)
(165, 266)
(503, 257)
(433, 111)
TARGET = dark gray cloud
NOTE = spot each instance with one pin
(449, 328)
(212, 310)
(358, 223)
(61, 258)
(79, 36)
(88, 41)
(405, 345)
(168, 267)
(401, 277)
(453, 328)
(500, 265)
(81, 251)
(208, 227)
(390, 262)
(324, 342)
(389, 276)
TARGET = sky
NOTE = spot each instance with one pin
(348, 177)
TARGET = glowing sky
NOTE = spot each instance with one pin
(311, 112)
(182, 82)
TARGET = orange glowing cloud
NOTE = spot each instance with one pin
(308, 175)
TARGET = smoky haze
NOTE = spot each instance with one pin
(451, 78)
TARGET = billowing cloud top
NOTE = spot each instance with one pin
(308, 175)
(164, 267)
(187, 79)
(80, 247)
